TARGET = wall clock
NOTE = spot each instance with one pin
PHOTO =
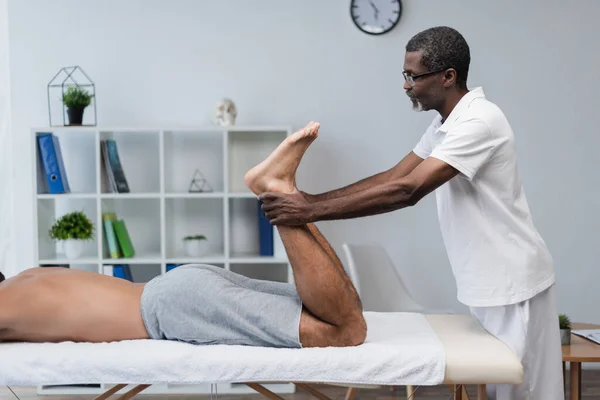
(375, 17)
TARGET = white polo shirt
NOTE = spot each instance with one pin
(496, 253)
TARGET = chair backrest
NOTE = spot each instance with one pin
(376, 280)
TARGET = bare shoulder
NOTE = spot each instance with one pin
(29, 273)
(43, 270)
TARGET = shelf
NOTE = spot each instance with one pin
(242, 195)
(67, 196)
(207, 195)
(208, 259)
(248, 148)
(187, 216)
(51, 209)
(148, 258)
(142, 221)
(139, 154)
(145, 129)
(131, 196)
(261, 129)
(192, 155)
(252, 259)
(78, 158)
(63, 261)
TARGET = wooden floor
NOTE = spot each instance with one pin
(590, 382)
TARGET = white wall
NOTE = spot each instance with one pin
(7, 237)
(284, 62)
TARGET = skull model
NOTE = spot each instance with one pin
(225, 113)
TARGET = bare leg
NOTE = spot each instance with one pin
(330, 252)
(333, 313)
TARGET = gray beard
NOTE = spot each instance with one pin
(417, 106)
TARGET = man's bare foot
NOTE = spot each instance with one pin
(277, 173)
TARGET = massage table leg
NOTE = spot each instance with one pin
(312, 391)
(126, 396)
(410, 392)
(458, 391)
(351, 394)
(133, 392)
(110, 392)
(264, 391)
(481, 392)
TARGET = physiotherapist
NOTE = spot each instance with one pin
(503, 270)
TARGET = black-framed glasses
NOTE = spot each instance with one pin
(411, 78)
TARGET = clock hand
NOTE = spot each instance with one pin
(375, 8)
(373, 5)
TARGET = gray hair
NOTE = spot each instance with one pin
(443, 47)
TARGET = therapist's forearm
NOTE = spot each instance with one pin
(373, 200)
(369, 182)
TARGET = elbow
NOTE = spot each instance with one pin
(413, 199)
(407, 194)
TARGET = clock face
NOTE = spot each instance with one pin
(375, 17)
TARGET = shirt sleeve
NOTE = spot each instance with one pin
(467, 147)
(423, 147)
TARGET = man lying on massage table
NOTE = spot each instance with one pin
(199, 303)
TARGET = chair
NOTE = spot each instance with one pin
(380, 288)
(376, 280)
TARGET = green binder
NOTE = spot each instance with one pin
(111, 239)
(124, 239)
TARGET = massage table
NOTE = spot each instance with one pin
(401, 349)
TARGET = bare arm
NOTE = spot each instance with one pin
(293, 209)
(389, 196)
(403, 168)
(401, 189)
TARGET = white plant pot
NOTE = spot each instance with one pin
(195, 248)
(72, 248)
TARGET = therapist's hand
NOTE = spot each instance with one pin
(287, 209)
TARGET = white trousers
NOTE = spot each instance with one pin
(531, 330)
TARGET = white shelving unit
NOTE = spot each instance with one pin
(159, 211)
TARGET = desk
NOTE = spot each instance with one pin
(580, 350)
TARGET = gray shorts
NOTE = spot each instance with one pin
(203, 304)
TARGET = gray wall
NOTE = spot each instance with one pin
(7, 244)
(284, 62)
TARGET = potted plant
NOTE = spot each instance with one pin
(195, 245)
(72, 230)
(565, 329)
(76, 100)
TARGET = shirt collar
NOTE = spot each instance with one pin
(460, 107)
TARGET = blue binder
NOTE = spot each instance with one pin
(123, 272)
(52, 161)
(265, 233)
(171, 266)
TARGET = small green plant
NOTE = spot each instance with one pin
(75, 225)
(564, 321)
(195, 237)
(76, 97)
